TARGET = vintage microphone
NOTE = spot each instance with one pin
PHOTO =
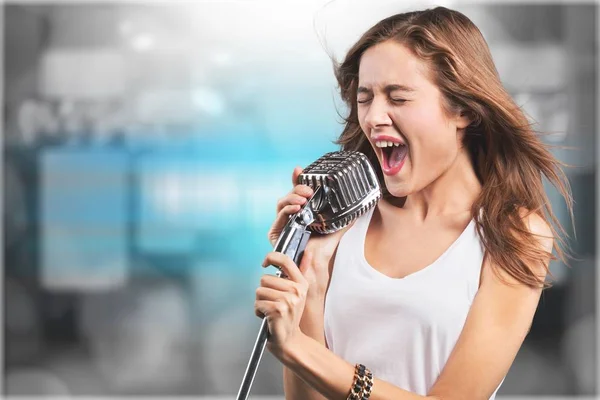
(345, 187)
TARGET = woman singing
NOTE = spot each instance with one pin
(431, 293)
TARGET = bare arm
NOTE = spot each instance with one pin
(312, 326)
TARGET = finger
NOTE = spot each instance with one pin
(291, 198)
(283, 215)
(290, 296)
(295, 174)
(264, 308)
(303, 190)
(283, 302)
(258, 311)
(280, 220)
(286, 264)
(265, 293)
(276, 283)
(260, 308)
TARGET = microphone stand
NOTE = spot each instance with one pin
(291, 242)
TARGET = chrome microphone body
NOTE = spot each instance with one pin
(345, 187)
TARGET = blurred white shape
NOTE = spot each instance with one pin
(179, 194)
(339, 24)
(208, 100)
(444, 3)
(556, 116)
(66, 107)
(35, 118)
(215, 194)
(49, 122)
(29, 121)
(125, 27)
(222, 58)
(163, 106)
(549, 112)
(142, 42)
(531, 67)
(35, 382)
(82, 73)
(169, 195)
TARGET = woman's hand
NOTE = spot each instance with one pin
(281, 300)
(288, 205)
(319, 249)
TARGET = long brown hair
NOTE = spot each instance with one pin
(508, 156)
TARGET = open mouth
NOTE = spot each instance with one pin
(393, 156)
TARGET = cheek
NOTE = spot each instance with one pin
(433, 140)
(430, 120)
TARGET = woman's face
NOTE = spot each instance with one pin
(400, 111)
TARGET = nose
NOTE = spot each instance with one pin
(377, 115)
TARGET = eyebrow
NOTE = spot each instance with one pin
(387, 89)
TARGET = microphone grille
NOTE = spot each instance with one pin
(352, 188)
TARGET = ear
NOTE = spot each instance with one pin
(463, 119)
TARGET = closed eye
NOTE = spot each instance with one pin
(364, 101)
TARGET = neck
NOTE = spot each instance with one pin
(452, 193)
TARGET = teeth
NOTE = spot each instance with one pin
(386, 143)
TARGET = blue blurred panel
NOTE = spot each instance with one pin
(83, 218)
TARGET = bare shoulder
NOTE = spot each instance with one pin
(539, 228)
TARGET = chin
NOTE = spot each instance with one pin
(397, 189)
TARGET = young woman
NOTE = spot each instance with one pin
(431, 293)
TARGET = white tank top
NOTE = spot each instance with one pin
(403, 330)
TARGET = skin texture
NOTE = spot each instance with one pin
(432, 195)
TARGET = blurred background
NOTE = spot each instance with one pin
(145, 147)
